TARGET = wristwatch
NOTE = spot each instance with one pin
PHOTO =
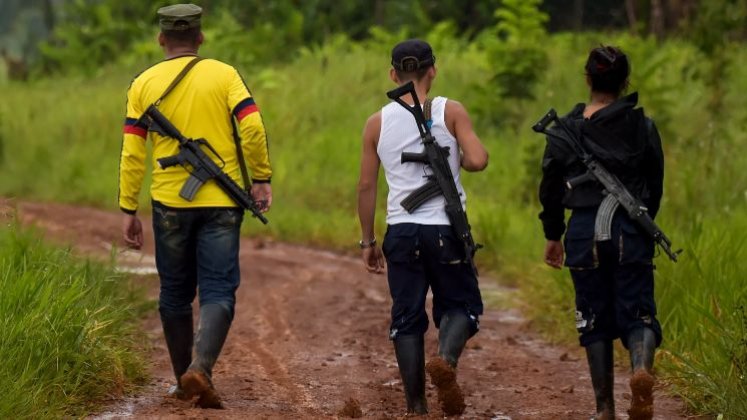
(367, 244)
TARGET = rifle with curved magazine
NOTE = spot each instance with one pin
(202, 167)
(614, 190)
(441, 182)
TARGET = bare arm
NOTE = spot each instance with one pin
(474, 155)
(372, 256)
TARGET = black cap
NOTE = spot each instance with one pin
(412, 55)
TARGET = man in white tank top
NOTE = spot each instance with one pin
(420, 248)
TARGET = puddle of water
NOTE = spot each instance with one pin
(125, 410)
(137, 270)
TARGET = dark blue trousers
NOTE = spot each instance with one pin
(613, 280)
(428, 256)
(196, 249)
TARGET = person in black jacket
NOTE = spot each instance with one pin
(613, 279)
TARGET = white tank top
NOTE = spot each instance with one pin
(399, 133)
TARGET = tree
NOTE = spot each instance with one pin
(657, 19)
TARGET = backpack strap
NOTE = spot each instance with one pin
(178, 78)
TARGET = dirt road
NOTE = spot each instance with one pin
(310, 332)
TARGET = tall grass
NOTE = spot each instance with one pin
(61, 142)
(65, 330)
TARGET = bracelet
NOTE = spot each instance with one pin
(367, 244)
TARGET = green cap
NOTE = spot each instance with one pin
(179, 17)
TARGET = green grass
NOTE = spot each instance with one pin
(60, 141)
(66, 330)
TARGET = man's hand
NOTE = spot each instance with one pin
(554, 254)
(262, 195)
(373, 259)
(132, 231)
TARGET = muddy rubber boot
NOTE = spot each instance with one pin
(453, 334)
(599, 354)
(178, 332)
(410, 353)
(454, 331)
(215, 320)
(642, 345)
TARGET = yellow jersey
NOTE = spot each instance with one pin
(202, 105)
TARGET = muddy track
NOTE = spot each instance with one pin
(310, 332)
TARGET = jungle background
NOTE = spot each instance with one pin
(318, 68)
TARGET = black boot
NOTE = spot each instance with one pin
(215, 320)
(599, 354)
(410, 352)
(642, 345)
(454, 330)
(178, 332)
(453, 333)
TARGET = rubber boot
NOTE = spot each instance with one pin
(410, 353)
(454, 331)
(453, 334)
(178, 332)
(215, 320)
(642, 345)
(599, 354)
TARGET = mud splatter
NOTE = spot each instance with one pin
(450, 395)
(642, 400)
(351, 409)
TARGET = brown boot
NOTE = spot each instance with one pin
(197, 383)
(642, 401)
(443, 376)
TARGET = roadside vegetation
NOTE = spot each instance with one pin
(66, 330)
(60, 140)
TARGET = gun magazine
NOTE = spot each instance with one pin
(603, 221)
(420, 196)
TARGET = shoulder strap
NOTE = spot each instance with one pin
(239, 152)
(178, 79)
(427, 105)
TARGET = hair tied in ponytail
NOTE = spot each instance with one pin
(608, 69)
(609, 53)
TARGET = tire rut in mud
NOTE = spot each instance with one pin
(310, 334)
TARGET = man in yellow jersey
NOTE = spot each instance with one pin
(197, 242)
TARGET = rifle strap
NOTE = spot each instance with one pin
(236, 136)
(427, 105)
(178, 79)
(240, 153)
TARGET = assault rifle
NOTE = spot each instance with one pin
(615, 192)
(202, 166)
(441, 182)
